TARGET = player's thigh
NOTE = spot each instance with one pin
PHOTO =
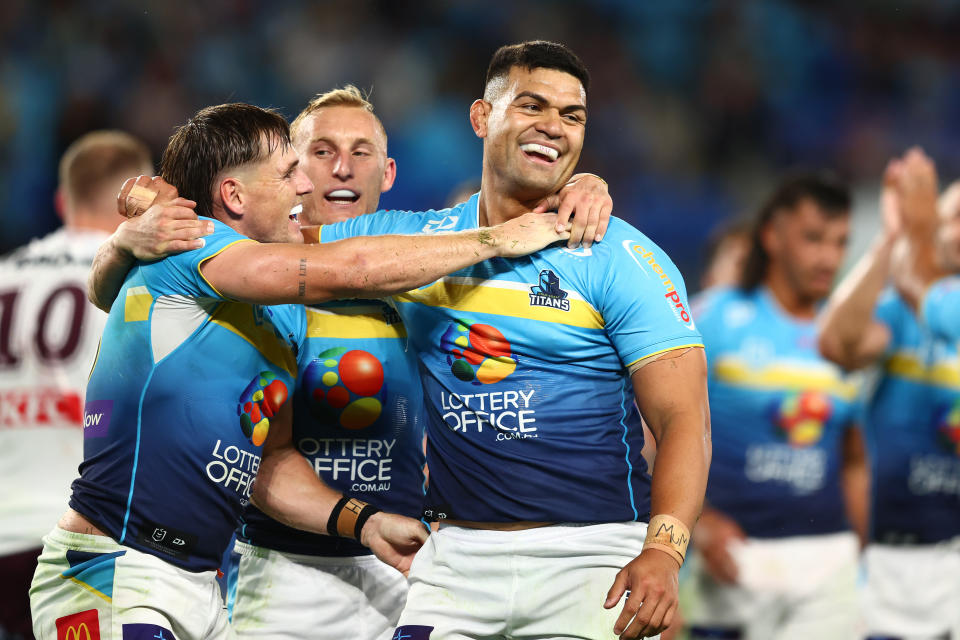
(720, 610)
(829, 613)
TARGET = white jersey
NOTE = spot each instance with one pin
(49, 335)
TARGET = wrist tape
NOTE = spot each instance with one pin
(348, 517)
(668, 534)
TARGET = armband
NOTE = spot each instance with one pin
(348, 517)
(668, 534)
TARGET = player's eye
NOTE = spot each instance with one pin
(321, 153)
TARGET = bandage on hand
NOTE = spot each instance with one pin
(140, 193)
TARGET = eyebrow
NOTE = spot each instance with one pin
(539, 98)
(358, 141)
(291, 166)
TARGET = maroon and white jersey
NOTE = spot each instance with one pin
(49, 335)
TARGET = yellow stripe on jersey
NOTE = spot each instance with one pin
(692, 345)
(793, 376)
(89, 588)
(238, 318)
(214, 255)
(351, 322)
(136, 304)
(943, 373)
(481, 298)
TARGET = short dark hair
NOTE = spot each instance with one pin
(824, 189)
(218, 138)
(537, 54)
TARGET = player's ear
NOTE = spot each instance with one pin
(389, 175)
(232, 195)
(479, 112)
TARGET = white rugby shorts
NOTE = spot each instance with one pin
(91, 588)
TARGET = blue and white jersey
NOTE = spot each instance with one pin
(913, 433)
(530, 412)
(178, 406)
(941, 309)
(778, 413)
(358, 420)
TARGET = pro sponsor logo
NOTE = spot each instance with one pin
(96, 418)
(79, 626)
(478, 353)
(647, 261)
(345, 387)
(412, 632)
(167, 540)
(35, 408)
(141, 631)
(234, 468)
(259, 402)
(800, 417)
(366, 464)
(547, 293)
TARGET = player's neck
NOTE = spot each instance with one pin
(788, 298)
(91, 221)
(496, 205)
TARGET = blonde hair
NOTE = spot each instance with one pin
(348, 96)
(98, 157)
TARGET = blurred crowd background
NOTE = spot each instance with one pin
(695, 108)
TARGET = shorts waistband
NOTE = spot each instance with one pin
(85, 541)
(548, 532)
(248, 550)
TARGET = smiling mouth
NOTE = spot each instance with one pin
(342, 196)
(540, 152)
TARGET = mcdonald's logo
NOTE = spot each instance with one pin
(79, 626)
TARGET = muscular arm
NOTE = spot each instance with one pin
(289, 491)
(848, 335)
(371, 266)
(672, 395)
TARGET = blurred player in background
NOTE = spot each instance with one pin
(775, 555)
(912, 419)
(522, 467)
(725, 254)
(48, 338)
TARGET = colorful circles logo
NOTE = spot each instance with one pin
(345, 387)
(801, 417)
(478, 353)
(259, 402)
(948, 427)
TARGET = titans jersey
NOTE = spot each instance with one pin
(913, 433)
(778, 412)
(530, 412)
(941, 309)
(358, 419)
(178, 405)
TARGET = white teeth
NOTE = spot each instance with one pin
(297, 210)
(533, 147)
(342, 193)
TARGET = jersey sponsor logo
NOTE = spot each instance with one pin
(446, 224)
(234, 468)
(509, 413)
(477, 353)
(96, 418)
(547, 293)
(345, 387)
(30, 408)
(84, 625)
(800, 417)
(412, 632)
(166, 540)
(366, 464)
(140, 631)
(259, 402)
(803, 470)
(934, 474)
(947, 423)
(641, 255)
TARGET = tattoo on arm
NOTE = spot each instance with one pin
(302, 290)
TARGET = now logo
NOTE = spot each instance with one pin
(96, 418)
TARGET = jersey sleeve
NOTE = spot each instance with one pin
(180, 274)
(379, 223)
(707, 309)
(889, 312)
(940, 308)
(645, 307)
